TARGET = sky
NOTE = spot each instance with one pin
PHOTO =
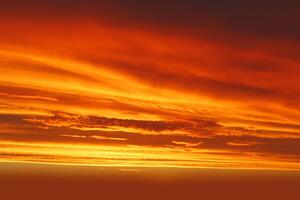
(184, 84)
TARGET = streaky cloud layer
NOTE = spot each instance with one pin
(136, 84)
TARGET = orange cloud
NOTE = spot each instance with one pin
(83, 79)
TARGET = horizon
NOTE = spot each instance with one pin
(152, 88)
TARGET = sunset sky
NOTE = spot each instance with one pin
(185, 84)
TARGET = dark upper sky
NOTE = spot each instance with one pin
(254, 18)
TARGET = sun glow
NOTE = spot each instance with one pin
(90, 91)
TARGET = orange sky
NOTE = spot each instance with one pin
(116, 84)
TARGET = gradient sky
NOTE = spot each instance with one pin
(157, 83)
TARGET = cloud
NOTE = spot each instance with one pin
(186, 76)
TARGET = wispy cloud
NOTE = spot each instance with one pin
(114, 75)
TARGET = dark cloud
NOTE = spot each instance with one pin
(75, 121)
(47, 129)
(264, 146)
(11, 119)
